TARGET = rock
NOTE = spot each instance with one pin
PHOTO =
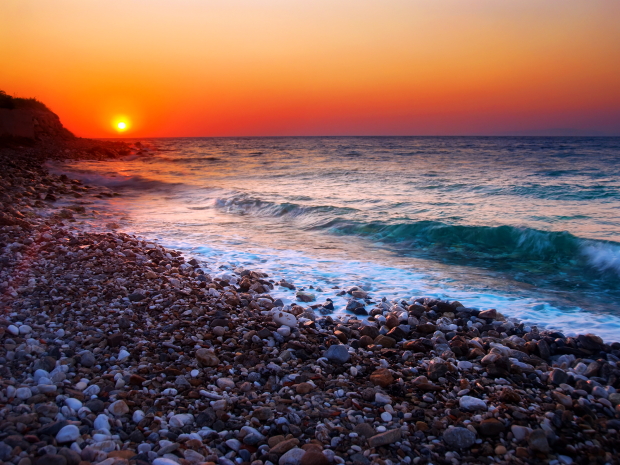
(381, 398)
(25, 330)
(416, 347)
(160, 461)
(180, 420)
(337, 354)
(52, 459)
(23, 393)
(102, 422)
(383, 439)
(284, 331)
(72, 457)
(68, 434)
(283, 318)
(437, 369)
(459, 346)
(472, 403)
(303, 388)
(87, 359)
(115, 339)
(500, 450)
(284, 446)
(73, 403)
(592, 370)
(136, 297)
(305, 296)
(459, 438)
(520, 432)
(371, 331)
(488, 314)
(398, 334)
(262, 413)
(207, 358)
(509, 396)
(563, 399)
(491, 427)
(5, 451)
(544, 350)
(384, 341)
(538, 441)
(590, 342)
(364, 429)
(118, 408)
(342, 337)
(252, 436)
(314, 457)
(354, 305)
(426, 328)
(224, 383)
(382, 377)
(558, 376)
(614, 399)
(51, 429)
(292, 457)
(95, 405)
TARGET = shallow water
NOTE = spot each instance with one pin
(530, 226)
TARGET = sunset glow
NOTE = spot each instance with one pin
(121, 126)
(316, 68)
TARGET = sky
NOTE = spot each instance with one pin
(317, 67)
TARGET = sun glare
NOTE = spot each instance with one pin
(121, 125)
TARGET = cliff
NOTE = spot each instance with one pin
(30, 119)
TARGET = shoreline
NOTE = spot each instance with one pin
(186, 368)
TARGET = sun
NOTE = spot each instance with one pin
(121, 125)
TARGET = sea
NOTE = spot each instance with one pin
(529, 226)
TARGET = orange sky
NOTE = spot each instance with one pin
(316, 67)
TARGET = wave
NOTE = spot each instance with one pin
(505, 243)
(113, 181)
(518, 248)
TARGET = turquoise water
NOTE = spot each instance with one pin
(530, 226)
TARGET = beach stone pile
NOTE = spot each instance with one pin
(115, 350)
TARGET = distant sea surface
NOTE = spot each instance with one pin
(527, 225)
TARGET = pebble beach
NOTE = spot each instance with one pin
(115, 350)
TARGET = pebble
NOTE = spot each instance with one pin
(459, 438)
(102, 422)
(119, 332)
(283, 318)
(337, 354)
(68, 433)
(472, 403)
(118, 408)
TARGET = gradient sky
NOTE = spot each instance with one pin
(316, 67)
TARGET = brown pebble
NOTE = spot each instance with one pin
(382, 377)
(303, 388)
(314, 457)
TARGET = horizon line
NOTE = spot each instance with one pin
(601, 136)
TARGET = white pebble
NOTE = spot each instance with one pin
(138, 415)
(102, 422)
(73, 403)
(68, 434)
(25, 329)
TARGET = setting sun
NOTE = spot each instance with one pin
(121, 125)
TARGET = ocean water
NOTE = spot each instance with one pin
(530, 226)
